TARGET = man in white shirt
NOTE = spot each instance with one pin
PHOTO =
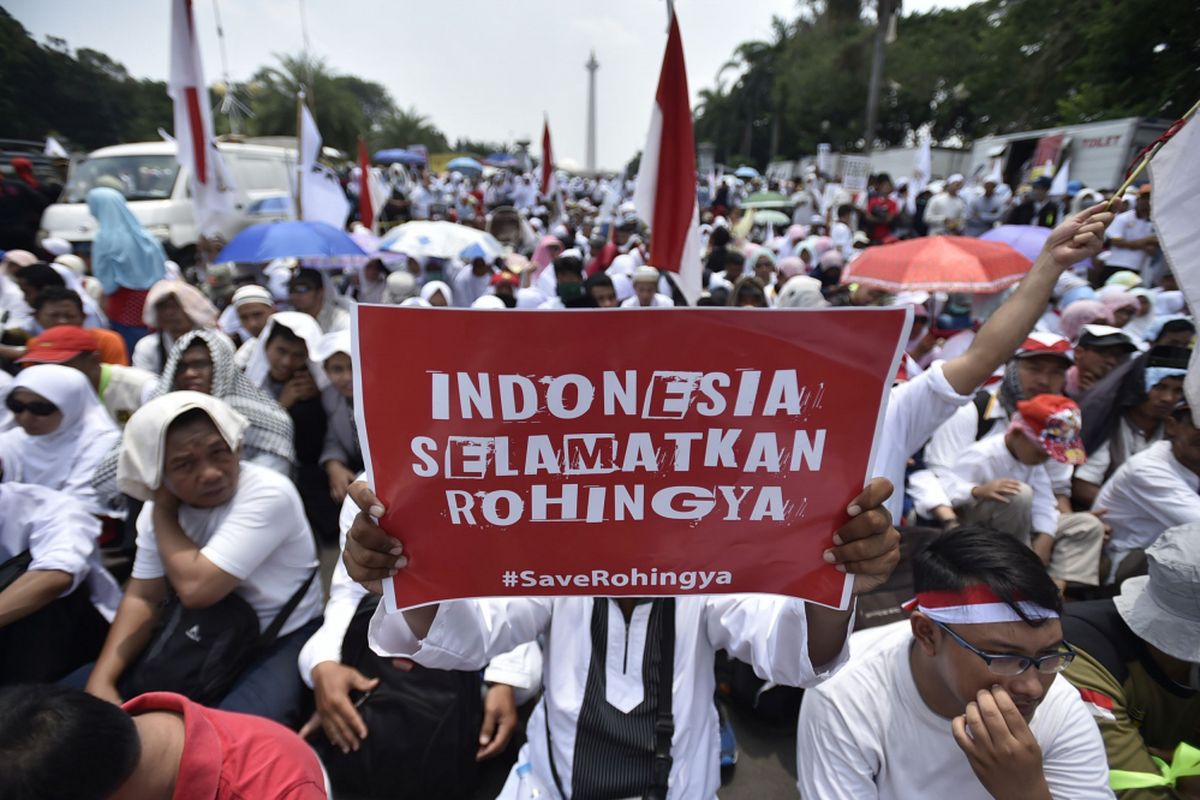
(645, 290)
(215, 527)
(984, 210)
(591, 732)
(962, 701)
(1002, 482)
(55, 610)
(1154, 490)
(841, 233)
(1132, 237)
(946, 212)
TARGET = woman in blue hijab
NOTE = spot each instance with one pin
(126, 260)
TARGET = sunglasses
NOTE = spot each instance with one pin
(300, 288)
(39, 408)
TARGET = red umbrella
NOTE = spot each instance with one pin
(939, 264)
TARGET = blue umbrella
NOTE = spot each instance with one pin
(398, 155)
(746, 172)
(270, 240)
(464, 164)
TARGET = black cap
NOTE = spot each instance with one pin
(1104, 336)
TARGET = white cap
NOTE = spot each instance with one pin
(955, 178)
(251, 294)
(645, 274)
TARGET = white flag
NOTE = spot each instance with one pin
(1059, 187)
(1174, 209)
(997, 173)
(310, 136)
(196, 150)
(54, 149)
(922, 167)
(322, 198)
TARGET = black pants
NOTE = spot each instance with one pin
(49, 644)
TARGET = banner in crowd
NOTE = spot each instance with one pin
(630, 453)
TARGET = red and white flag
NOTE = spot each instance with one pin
(366, 209)
(665, 197)
(548, 183)
(196, 150)
(1099, 704)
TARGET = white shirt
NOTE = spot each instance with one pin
(660, 301)
(146, 355)
(1133, 441)
(866, 733)
(261, 537)
(59, 535)
(990, 459)
(520, 668)
(943, 208)
(1129, 227)
(915, 410)
(842, 239)
(125, 390)
(1150, 492)
(768, 632)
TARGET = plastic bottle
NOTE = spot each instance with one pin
(528, 787)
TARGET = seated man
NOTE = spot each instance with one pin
(1136, 667)
(600, 730)
(63, 744)
(56, 598)
(1100, 350)
(253, 306)
(310, 293)
(1002, 482)
(645, 291)
(1154, 490)
(215, 528)
(961, 701)
(425, 727)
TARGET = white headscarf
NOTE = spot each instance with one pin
(428, 290)
(302, 325)
(333, 343)
(66, 458)
(801, 291)
(140, 467)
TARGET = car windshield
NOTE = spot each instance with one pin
(136, 177)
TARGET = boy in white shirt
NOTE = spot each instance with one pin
(963, 700)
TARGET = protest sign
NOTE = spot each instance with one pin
(664, 452)
(855, 172)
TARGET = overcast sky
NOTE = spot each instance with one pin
(479, 68)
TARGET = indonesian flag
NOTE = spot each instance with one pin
(196, 151)
(1099, 704)
(548, 181)
(366, 211)
(665, 197)
(1174, 208)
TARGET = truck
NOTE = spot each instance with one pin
(156, 189)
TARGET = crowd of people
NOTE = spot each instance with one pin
(179, 446)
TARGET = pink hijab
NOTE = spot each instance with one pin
(1084, 312)
(541, 256)
(196, 306)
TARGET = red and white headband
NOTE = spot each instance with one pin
(974, 605)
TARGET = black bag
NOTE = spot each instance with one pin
(200, 652)
(423, 724)
(14, 568)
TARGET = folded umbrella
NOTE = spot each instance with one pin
(939, 264)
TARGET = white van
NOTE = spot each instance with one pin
(151, 180)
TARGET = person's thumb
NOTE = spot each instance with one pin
(489, 725)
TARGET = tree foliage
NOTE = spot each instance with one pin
(994, 66)
(90, 100)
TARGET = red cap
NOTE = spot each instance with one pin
(504, 276)
(1040, 343)
(1054, 422)
(58, 344)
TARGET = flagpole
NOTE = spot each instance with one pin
(1133, 176)
(299, 154)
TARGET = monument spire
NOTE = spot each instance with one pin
(592, 65)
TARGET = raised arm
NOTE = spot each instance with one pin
(1080, 237)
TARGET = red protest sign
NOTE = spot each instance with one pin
(619, 453)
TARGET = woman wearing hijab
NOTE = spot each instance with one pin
(761, 263)
(401, 286)
(62, 433)
(341, 456)
(283, 364)
(173, 308)
(1126, 412)
(437, 294)
(1083, 312)
(1120, 304)
(212, 528)
(126, 260)
(203, 361)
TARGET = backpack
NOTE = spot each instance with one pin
(201, 652)
(424, 727)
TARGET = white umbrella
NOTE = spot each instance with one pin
(436, 239)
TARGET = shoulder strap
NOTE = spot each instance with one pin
(983, 402)
(664, 722)
(272, 632)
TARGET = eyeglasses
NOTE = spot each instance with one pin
(39, 408)
(300, 288)
(1012, 665)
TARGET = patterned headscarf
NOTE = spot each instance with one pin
(270, 428)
